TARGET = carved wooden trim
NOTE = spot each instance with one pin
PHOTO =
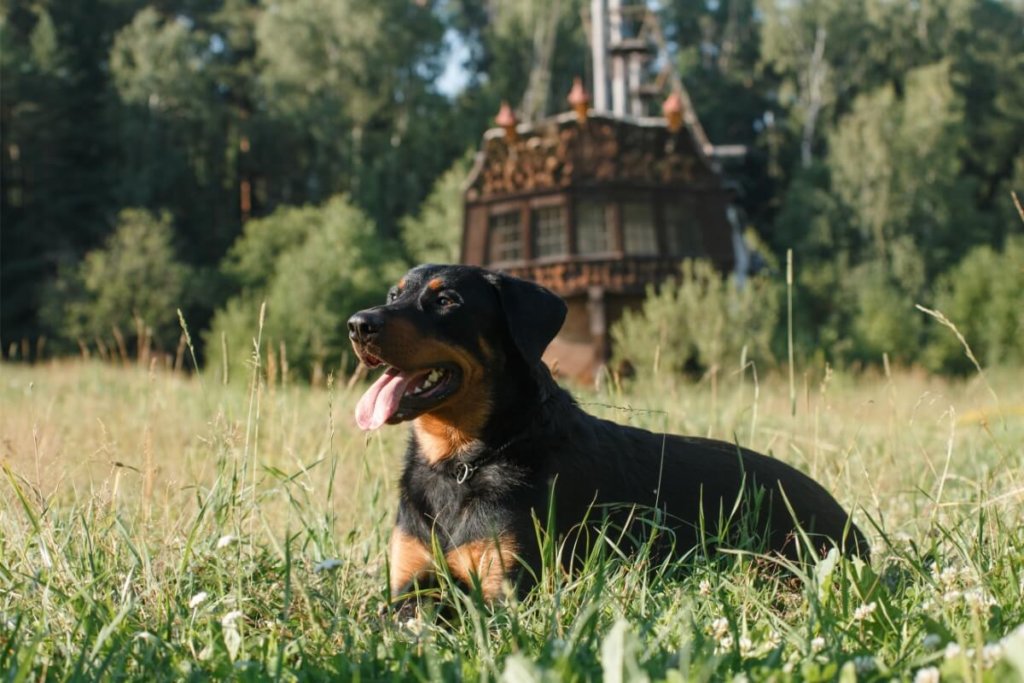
(559, 153)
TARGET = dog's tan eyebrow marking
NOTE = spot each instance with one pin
(401, 283)
(435, 284)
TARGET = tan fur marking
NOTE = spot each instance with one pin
(457, 423)
(410, 559)
(435, 284)
(401, 283)
(490, 560)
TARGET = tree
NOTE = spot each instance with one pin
(896, 164)
(314, 267)
(182, 75)
(133, 285)
(434, 234)
(352, 83)
(57, 163)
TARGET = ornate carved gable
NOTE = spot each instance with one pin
(561, 152)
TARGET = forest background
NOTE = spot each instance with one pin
(212, 156)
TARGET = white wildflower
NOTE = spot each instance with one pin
(719, 628)
(413, 625)
(946, 577)
(932, 641)
(327, 566)
(991, 654)
(788, 667)
(198, 599)
(864, 664)
(746, 646)
(705, 588)
(952, 596)
(229, 619)
(144, 636)
(864, 611)
(978, 599)
(226, 540)
(725, 643)
(952, 651)
(817, 644)
(928, 674)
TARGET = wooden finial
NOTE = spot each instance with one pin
(579, 99)
(506, 118)
(672, 108)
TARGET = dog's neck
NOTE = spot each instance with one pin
(438, 440)
(485, 421)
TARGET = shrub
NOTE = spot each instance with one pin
(252, 259)
(434, 234)
(702, 319)
(883, 294)
(134, 281)
(981, 296)
(332, 264)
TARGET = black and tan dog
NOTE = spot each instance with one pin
(493, 434)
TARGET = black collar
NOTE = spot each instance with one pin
(462, 468)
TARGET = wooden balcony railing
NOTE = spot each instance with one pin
(631, 274)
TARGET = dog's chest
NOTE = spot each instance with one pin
(457, 510)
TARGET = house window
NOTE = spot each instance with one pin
(549, 238)
(505, 237)
(638, 233)
(682, 232)
(593, 227)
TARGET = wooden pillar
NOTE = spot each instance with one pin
(526, 231)
(618, 235)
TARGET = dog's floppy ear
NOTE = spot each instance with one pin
(533, 314)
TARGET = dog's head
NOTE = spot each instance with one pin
(444, 336)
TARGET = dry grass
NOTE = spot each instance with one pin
(113, 472)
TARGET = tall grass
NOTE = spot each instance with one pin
(153, 526)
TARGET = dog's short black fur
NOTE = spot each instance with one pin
(495, 439)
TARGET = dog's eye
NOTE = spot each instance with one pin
(446, 300)
(392, 294)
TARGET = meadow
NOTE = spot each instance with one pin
(163, 526)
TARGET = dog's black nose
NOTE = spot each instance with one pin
(364, 326)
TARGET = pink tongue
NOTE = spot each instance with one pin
(380, 402)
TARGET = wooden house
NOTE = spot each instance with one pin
(597, 205)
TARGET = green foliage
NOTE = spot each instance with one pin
(349, 84)
(868, 122)
(434, 234)
(314, 267)
(158, 62)
(703, 319)
(884, 320)
(134, 283)
(896, 165)
(982, 296)
(252, 260)
(217, 546)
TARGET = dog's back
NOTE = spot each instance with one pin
(706, 492)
